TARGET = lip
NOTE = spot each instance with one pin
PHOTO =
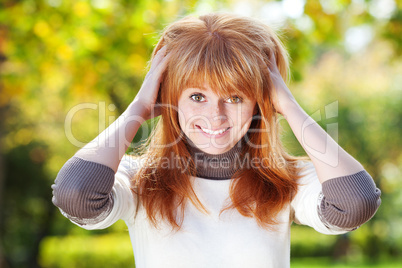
(214, 135)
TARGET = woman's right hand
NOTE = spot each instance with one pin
(109, 146)
(148, 93)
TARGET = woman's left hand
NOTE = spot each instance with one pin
(282, 96)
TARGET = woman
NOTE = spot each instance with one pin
(214, 187)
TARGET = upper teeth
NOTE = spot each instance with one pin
(216, 132)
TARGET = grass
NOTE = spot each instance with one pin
(326, 262)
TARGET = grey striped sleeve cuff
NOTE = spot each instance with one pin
(348, 202)
(82, 191)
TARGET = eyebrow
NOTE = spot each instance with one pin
(203, 89)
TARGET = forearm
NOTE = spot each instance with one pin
(329, 159)
(109, 146)
(82, 189)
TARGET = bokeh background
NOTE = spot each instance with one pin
(69, 68)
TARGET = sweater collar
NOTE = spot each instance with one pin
(215, 166)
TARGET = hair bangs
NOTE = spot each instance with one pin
(215, 62)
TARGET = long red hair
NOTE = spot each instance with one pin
(231, 54)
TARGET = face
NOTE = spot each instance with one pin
(214, 124)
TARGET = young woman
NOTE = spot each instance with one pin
(215, 187)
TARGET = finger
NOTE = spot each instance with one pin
(272, 60)
(162, 65)
(273, 66)
(159, 57)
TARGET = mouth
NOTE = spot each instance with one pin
(213, 132)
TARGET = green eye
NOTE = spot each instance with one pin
(197, 97)
(234, 99)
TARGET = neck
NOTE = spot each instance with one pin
(215, 166)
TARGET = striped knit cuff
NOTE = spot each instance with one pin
(349, 201)
(82, 191)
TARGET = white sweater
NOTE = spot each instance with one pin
(213, 240)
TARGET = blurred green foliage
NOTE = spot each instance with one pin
(108, 250)
(69, 68)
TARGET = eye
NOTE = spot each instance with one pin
(234, 99)
(197, 97)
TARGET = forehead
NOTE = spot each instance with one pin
(206, 69)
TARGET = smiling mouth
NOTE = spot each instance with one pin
(213, 132)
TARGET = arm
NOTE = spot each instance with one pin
(109, 147)
(83, 187)
(329, 159)
(350, 196)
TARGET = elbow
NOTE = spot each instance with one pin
(363, 209)
(350, 201)
(80, 201)
(352, 214)
(68, 195)
(82, 188)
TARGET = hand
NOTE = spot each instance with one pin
(148, 93)
(282, 96)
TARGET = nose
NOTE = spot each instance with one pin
(218, 114)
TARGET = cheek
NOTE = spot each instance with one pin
(187, 114)
(244, 116)
(182, 118)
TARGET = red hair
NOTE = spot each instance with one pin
(231, 54)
